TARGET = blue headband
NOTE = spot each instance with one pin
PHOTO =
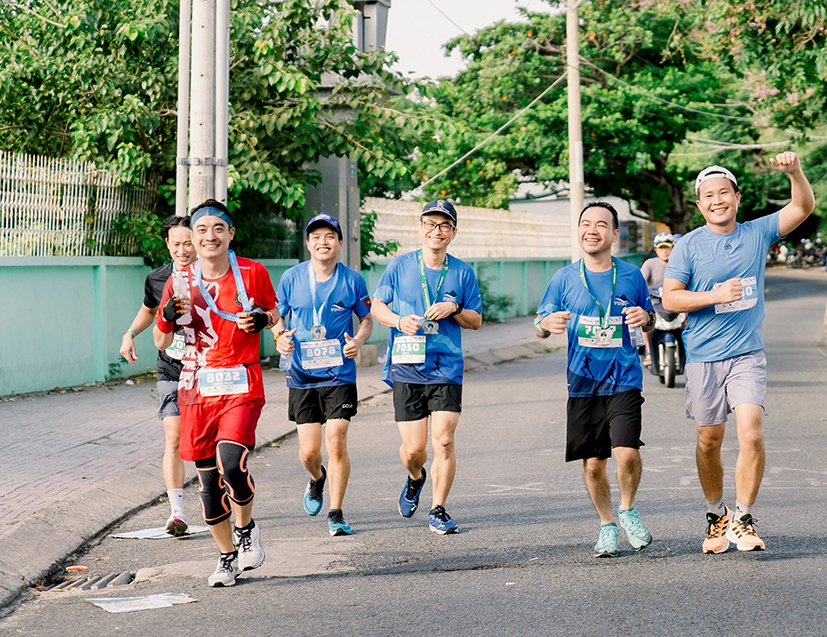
(213, 212)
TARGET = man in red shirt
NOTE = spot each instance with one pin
(222, 303)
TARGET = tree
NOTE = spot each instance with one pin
(639, 106)
(97, 80)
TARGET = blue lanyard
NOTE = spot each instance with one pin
(239, 286)
(317, 313)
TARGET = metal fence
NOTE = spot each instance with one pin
(64, 207)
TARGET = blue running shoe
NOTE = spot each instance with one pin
(337, 524)
(607, 541)
(314, 494)
(441, 522)
(638, 536)
(409, 498)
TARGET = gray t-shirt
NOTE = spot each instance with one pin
(652, 270)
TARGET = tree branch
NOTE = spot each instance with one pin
(37, 15)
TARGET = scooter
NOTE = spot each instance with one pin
(665, 343)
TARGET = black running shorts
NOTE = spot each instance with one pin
(597, 424)
(415, 402)
(321, 404)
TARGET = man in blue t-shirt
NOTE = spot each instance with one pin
(322, 295)
(433, 296)
(716, 274)
(604, 305)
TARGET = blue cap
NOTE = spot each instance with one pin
(323, 219)
(442, 207)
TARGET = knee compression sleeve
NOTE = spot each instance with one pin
(232, 464)
(214, 502)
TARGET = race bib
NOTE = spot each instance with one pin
(590, 334)
(408, 350)
(178, 347)
(222, 382)
(318, 354)
(749, 301)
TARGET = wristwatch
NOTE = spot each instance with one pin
(652, 317)
(458, 310)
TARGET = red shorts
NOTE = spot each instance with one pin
(204, 424)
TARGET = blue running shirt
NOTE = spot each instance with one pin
(598, 371)
(349, 296)
(703, 259)
(400, 288)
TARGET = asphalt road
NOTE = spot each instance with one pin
(522, 563)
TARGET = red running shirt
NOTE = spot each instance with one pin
(216, 342)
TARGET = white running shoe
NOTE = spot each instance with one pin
(177, 523)
(226, 571)
(248, 543)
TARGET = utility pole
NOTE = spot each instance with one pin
(576, 180)
(202, 103)
(182, 149)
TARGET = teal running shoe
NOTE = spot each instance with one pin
(638, 536)
(314, 494)
(607, 541)
(337, 524)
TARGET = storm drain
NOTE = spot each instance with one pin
(89, 583)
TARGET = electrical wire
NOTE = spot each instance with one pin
(447, 17)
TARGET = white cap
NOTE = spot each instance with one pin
(711, 173)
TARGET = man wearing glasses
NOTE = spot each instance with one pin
(426, 297)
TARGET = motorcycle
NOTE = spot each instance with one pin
(666, 347)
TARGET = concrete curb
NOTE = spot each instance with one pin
(37, 546)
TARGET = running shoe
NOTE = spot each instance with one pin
(337, 524)
(226, 571)
(409, 498)
(440, 522)
(607, 541)
(716, 532)
(742, 534)
(248, 543)
(638, 536)
(177, 523)
(314, 494)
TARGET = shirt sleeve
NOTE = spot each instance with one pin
(679, 263)
(265, 295)
(551, 301)
(165, 326)
(283, 296)
(768, 227)
(471, 297)
(387, 283)
(150, 300)
(362, 307)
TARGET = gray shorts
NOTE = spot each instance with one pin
(168, 393)
(714, 389)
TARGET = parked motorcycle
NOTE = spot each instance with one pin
(666, 347)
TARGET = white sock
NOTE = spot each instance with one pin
(741, 509)
(176, 499)
(716, 506)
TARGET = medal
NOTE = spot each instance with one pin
(430, 327)
(239, 286)
(318, 332)
(603, 336)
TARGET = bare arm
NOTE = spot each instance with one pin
(802, 198)
(386, 316)
(162, 340)
(676, 298)
(354, 343)
(143, 319)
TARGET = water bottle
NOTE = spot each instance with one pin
(181, 289)
(636, 336)
(284, 361)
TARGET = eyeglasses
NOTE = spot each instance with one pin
(431, 226)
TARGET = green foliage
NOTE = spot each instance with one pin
(97, 80)
(145, 229)
(371, 247)
(630, 123)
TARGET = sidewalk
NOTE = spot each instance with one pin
(76, 463)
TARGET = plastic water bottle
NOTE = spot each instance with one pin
(181, 289)
(636, 336)
(284, 361)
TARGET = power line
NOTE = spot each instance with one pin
(495, 133)
(447, 17)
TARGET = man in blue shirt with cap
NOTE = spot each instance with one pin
(426, 297)
(322, 295)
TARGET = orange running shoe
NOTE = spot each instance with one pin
(717, 532)
(742, 534)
